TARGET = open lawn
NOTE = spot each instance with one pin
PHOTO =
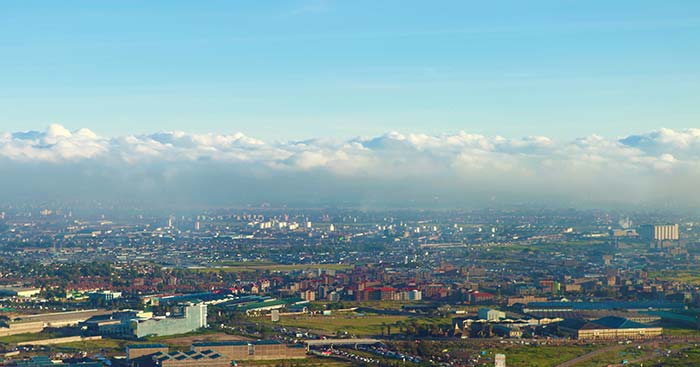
(688, 357)
(615, 356)
(539, 356)
(107, 346)
(676, 331)
(353, 324)
(18, 338)
(684, 276)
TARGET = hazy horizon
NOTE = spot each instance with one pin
(395, 169)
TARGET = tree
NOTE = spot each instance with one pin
(4, 321)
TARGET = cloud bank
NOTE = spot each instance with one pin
(393, 169)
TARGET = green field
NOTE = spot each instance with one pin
(539, 356)
(19, 338)
(352, 324)
(106, 346)
(684, 276)
(688, 357)
(613, 357)
(676, 331)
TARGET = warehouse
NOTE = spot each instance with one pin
(610, 327)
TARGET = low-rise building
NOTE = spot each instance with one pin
(211, 354)
(490, 314)
(135, 324)
(136, 351)
(610, 327)
(207, 358)
(20, 292)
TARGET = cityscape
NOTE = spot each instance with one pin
(389, 287)
(329, 183)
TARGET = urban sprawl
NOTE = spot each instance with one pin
(343, 287)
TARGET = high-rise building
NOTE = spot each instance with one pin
(500, 360)
(659, 235)
(659, 232)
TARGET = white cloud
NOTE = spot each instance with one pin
(598, 166)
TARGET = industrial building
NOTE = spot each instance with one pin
(211, 354)
(207, 358)
(19, 292)
(543, 307)
(104, 296)
(136, 351)
(159, 355)
(610, 327)
(136, 324)
(22, 324)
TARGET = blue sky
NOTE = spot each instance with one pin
(299, 69)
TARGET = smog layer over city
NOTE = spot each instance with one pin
(349, 183)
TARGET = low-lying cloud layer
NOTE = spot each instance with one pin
(179, 168)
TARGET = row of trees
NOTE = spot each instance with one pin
(414, 328)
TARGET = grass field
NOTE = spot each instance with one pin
(539, 356)
(18, 338)
(382, 305)
(684, 276)
(352, 324)
(689, 357)
(613, 357)
(676, 331)
(110, 346)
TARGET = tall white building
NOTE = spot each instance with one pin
(659, 232)
(656, 234)
(500, 360)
